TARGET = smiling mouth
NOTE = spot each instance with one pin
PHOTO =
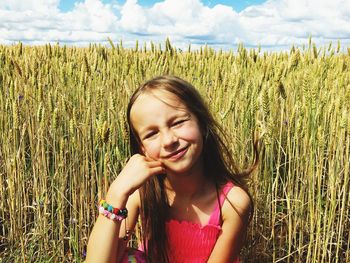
(177, 154)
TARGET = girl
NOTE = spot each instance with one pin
(181, 180)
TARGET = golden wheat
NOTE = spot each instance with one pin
(63, 138)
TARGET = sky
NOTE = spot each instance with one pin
(271, 24)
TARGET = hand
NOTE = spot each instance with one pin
(136, 172)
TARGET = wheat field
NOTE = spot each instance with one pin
(63, 139)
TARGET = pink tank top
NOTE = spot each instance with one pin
(191, 242)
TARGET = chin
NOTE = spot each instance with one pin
(179, 169)
(185, 165)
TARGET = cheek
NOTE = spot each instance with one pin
(192, 134)
(152, 149)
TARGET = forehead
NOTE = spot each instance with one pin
(154, 106)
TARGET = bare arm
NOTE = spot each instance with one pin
(104, 239)
(234, 227)
(133, 206)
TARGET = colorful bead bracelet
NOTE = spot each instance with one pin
(112, 213)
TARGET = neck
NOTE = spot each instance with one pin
(186, 185)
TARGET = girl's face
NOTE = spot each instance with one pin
(167, 131)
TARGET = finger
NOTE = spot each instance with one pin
(149, 159)
(154, 164)
(157, 170)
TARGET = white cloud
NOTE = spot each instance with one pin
(41, 22)
(90, 15)
(33, 5)
(186, 19)
(275, 22)
(289, 22)
(134, 17)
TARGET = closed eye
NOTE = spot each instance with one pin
(150, 134)
(177, 123)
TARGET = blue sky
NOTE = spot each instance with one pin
(67, 5)
(271, 24)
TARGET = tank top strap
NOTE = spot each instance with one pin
(215, 218)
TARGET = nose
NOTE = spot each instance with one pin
(169, 139)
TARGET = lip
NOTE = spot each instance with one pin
(177, 154)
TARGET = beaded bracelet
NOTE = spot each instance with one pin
(112, 213)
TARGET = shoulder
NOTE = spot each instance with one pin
(237, 204)
(235, 214)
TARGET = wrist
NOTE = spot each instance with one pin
(114, 213)
(116, 196)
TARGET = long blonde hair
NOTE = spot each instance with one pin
(219, 165)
